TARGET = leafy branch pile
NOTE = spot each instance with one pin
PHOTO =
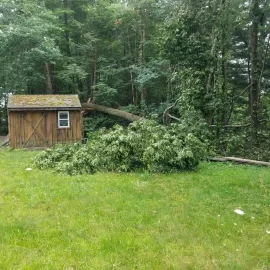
(143, 145)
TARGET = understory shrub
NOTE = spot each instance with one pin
(144, 144)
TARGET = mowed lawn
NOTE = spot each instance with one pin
(133, 221)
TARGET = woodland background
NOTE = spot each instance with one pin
(202, 64)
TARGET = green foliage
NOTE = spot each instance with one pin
(52, 156)
(79, 163)
(70, 159)
(104, 94)
(143, 145)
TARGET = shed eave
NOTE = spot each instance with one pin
(44, 108)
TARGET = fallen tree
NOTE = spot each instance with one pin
(122, 114)
(144, 145)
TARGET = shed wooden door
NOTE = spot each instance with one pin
(33, 129)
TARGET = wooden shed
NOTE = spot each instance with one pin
(43, 120)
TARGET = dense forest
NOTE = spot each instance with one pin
(204, 64)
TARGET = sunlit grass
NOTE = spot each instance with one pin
(133, 221)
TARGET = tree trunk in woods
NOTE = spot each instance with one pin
(142, 51)
(169, 94)
(54, 85)
(263, 61)
(224, 65)
(254, 90)
(134, 101)
(122, 114)
(224, 85)
(49, 89)
(66, 28)
(212, 70)
(88, 91)
(211, 75)
(133, 90)
(94, 74)
(249, 90)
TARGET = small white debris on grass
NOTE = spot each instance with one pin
(268, 231)
(239, 212)
(141, 183)
(28, 169)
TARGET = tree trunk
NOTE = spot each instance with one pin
(133, 90)
(66, 28)
(122, 114)
(49, 89)
(142, 51)
(54, 85)
(212, 70)
(134, 101)
(224, 64)
(94, 74)
(249, 90)
(263, 62)
(254, 90)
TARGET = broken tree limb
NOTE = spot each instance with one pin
(241, 161)
(122, 114)
(173, 117)
(165, 113)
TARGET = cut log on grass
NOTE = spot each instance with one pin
(248, 161)
(242, 161)
(122, 114)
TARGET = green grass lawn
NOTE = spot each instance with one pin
(133, 221)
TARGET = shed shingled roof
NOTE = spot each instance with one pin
(44, 102)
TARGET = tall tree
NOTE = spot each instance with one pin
(28, 46)
(254, 89)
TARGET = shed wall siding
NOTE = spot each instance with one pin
(40, 129)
